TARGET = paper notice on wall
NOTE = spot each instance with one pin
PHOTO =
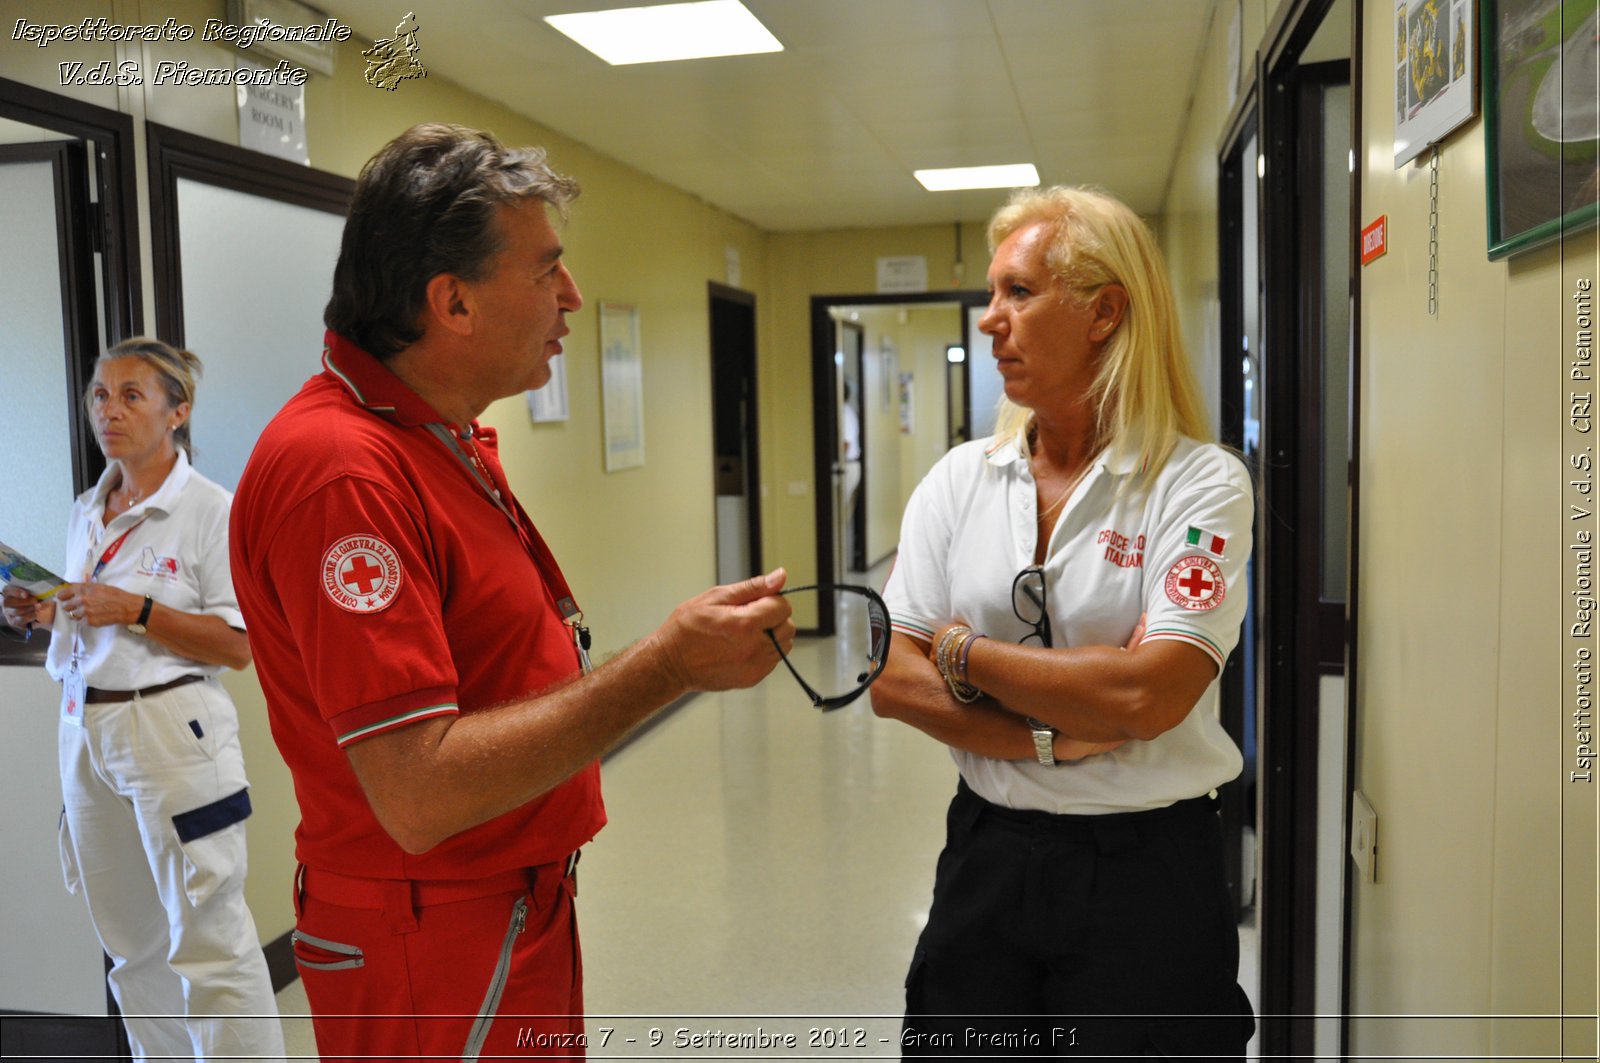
(902, 273)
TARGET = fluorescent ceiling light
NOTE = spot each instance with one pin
(1018, 175)
(627, 35)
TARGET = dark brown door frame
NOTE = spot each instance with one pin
(173, 154)
(80, 325)
(116, 229)
(752, 429)
(1233, 170)
(1290, 667)
(111, 227)
(106, 223)
(857, 561)
(824, 419)
(1312, 81)
(1352, 581)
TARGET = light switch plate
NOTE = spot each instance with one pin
(1364, 836)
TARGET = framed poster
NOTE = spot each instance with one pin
(549, 403)
(621, 386)
(1541, 120)
(1435, 63)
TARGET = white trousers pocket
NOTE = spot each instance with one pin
(212, 839)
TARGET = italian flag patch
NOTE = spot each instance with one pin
(1210, 542)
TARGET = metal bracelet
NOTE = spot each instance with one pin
(946, 654)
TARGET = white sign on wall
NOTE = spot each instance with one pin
(272, 119)
(903, 273)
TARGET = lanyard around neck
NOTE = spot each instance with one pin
(475, 469)
(112, 550)
(94, 574)
(571, 615)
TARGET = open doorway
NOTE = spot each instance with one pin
(906, 396)
(736, 459)
(849, 472)
(1289, 359)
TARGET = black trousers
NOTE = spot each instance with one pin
(1078, 937)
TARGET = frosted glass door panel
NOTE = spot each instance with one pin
(52, 960)
(36, 498)
(256, 275)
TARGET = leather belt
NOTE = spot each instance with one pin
(96, 696)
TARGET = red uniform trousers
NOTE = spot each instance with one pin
(396, 969)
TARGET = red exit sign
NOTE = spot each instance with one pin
(1375, 239)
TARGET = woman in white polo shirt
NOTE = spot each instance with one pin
(1063, 601)
(151, 770)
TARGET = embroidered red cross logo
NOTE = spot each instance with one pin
(1195, 583)
(361, 574)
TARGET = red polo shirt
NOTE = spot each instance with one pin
(383, 584)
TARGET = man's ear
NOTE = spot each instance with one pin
(448, 302)
(1110, 305)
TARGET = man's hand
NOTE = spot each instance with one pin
(718, 640)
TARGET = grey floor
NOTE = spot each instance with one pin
(765, 871)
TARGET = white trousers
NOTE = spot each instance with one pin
(166, 894)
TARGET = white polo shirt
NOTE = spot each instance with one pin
(1175, 551)
(177, 554)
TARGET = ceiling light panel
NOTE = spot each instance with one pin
(669, 32)
(1016, 175)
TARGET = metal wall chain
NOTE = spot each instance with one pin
(1433, 233)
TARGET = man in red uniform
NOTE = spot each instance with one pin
(422, 656)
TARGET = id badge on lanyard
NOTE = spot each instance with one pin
(572, 616)
(74, 687)
(73, 690)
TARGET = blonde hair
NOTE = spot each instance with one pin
(1145, 382)
(177, 369)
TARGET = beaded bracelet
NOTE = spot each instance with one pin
(966, 648)
(947, 654)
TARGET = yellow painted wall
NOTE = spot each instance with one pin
(926, 334)
(1463, 683)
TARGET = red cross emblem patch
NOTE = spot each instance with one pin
(1196, 583)
(361, 574)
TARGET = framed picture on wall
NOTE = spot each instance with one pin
(621, 386)
(1435, 73)
(549, 403)
(1541, 120)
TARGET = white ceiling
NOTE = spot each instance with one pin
(825, 134)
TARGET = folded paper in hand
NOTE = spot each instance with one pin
(17, 571)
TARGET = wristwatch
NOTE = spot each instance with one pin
(137, 627)
(1044, 741)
